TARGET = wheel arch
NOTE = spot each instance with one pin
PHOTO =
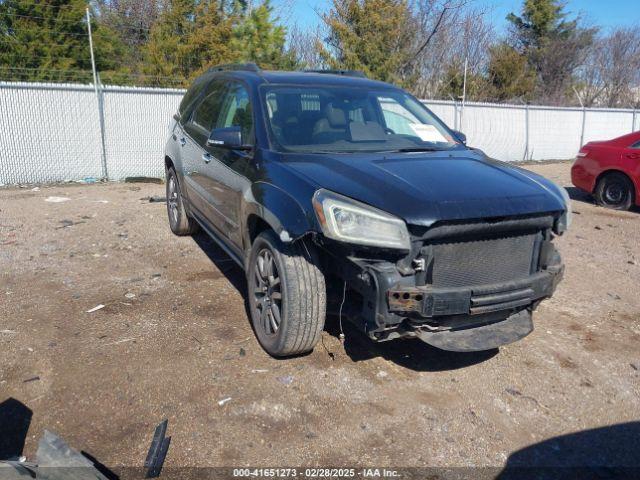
(269, 207)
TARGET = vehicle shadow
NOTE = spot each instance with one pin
(606, 452)
(15, 419)
(579, 195)
(412, 354)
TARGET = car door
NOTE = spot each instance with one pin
(196, 132)
(224, 170)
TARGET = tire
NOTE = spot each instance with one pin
(615, 191)
(179, 222)
(286, 295)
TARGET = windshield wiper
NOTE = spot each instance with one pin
(418, 149)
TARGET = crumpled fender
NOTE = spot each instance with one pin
(280, 210)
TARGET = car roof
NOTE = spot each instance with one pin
(301, 78)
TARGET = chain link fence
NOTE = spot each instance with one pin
(58, 132)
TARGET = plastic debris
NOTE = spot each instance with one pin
(286, 380)
(157, 451)
(96, 308)
(56, 199)
(157, 199)
(130, 295)
(259, 370)
(224, 400)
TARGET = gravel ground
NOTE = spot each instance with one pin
(174, 341)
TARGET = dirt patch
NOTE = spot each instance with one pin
(174, 340)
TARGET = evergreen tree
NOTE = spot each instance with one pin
(258, 38)
(369, 35)
(554, 45)
(509, 75)
(49, 42)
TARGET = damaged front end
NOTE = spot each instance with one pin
(463, 286)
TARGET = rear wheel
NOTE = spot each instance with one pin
(615, 190)
(179, 222)
(286, 294)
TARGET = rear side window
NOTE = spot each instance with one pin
(191, 96)
(206, 114)
(635, 145)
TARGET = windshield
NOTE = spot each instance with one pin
(341, 120)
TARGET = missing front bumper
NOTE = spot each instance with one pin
(485, 337)
(429, 302)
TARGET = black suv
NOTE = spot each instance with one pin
(342, 195)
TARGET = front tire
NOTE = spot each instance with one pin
(286, 294)
(615, 191)
(179, 222)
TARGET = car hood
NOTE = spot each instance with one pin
(426, 187)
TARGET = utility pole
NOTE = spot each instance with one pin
(464, 89)
(584, 117)
(105, 173)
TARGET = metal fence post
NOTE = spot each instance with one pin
(99, 97)
(633, 121)
(584, 119)
(526, 132)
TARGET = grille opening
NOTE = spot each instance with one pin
(497, 259)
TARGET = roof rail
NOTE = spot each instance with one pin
(247, 67)
(346, 73)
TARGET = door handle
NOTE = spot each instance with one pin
(183, 141)
(206, 157)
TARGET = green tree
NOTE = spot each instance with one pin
(258, 38)
(369, 35)
(48, 41)
(509, 74)
(554, 45)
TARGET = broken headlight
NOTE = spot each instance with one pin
(564, 222)
(347, 220)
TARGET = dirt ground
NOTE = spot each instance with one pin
(174, 341)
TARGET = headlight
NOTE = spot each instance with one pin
(350, 221)
(564, 222)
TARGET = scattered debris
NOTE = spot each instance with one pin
(224, 400)
(68, 223)
(89, 180)
(100, 201)
(597, 227)
(157, 199)
(242, 352)
(130, 295)
(96, 308)
(157, 451)
(259, 370)
(382, 374)
(12, 332)
(286, 380)
(124, 340)
(631, 262)
(159, 181)
(32, 379)
(156, 275)
(635, 366)
(56, 199)
(35, 189)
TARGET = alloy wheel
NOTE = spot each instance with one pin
(267, 293)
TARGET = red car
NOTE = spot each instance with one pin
(610, 170)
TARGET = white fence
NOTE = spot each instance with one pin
(52, 132)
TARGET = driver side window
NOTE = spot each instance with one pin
(236, 111)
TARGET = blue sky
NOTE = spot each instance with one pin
(606, 13)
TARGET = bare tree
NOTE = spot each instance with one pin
(611, 74)
(453, 32)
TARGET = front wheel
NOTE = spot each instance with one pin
(179, 222)
(615, 191)
(287, 295)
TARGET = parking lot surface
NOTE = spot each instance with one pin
(173, 340)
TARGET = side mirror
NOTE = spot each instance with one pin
(228, 137)
(461, 136)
